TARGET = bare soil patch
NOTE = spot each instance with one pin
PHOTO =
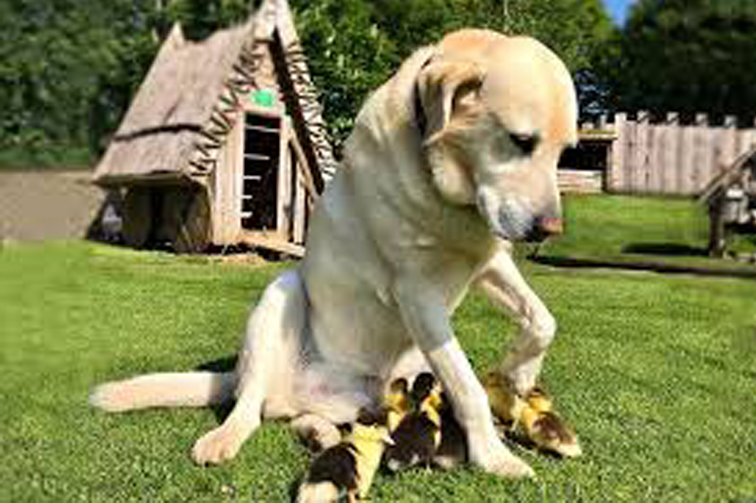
(43, 205)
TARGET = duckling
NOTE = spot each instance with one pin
(532, 416)
(549, 432)
(348, 468)
(453, 447)
(505, 403)
(538, 400)
(397, 402)
(545, 428)
(418, 435)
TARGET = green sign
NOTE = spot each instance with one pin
(263, 97)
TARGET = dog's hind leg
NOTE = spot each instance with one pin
(502, 282)
(317, 432)
(266, 365)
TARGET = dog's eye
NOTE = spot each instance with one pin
(525, 142)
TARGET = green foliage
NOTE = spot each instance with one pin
(354, 45)
(200, 18)
(68, 71)
(348, 54)
(686, 56)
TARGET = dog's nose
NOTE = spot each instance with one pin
(545, 227)
(551, 226)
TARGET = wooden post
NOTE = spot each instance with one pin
(717, 238)
(304, 168)
(137, 216)
(703, 152)
(193, 234)
(602, 121)
(656, 161)
(671, 166)
(639, 170)
(748, 138)
(284, 202)
(616, 166)
(729, 142)
(686, 159)
(300, 208)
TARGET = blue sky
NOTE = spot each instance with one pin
(618, 9)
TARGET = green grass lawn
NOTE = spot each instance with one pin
(657, 373)
(627, 229)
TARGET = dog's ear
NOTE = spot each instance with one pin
(446, 88)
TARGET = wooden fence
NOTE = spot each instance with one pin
(668, 157)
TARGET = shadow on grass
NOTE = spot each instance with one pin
(221, 365)
(667, 249)
(642, 265)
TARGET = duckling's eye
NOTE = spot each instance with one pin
(524, 142)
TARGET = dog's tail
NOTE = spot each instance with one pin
(174, 389)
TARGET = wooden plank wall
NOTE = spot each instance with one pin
(669, 157)
(580, 181)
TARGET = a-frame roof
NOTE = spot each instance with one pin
(177, 121)
(729, 174)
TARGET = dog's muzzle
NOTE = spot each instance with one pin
(511, 219)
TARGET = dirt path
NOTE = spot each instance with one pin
(39, 205)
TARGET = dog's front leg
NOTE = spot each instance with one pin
(502, 282)
(505, 286)
(423, 311)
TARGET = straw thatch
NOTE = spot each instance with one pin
(179, 119)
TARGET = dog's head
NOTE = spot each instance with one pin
(495, 114)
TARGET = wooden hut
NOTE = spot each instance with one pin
(731, 200)
(224, 143)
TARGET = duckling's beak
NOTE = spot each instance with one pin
(388, 440)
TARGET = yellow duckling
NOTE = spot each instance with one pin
(348, 468)
(505, 403)
(549, 432)
(418, 435)
(531, 415)
(397, 402)
(453, 447)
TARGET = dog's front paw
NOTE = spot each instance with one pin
(499, 461)
(217, 446)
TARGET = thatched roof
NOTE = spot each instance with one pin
(179, 118)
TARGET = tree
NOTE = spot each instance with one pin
(354, 45)
(71, 68)
(68, 71)
(686, 56)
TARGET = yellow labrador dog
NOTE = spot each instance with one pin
(450, 161)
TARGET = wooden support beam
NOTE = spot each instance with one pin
(304, 166)
(271, 242)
